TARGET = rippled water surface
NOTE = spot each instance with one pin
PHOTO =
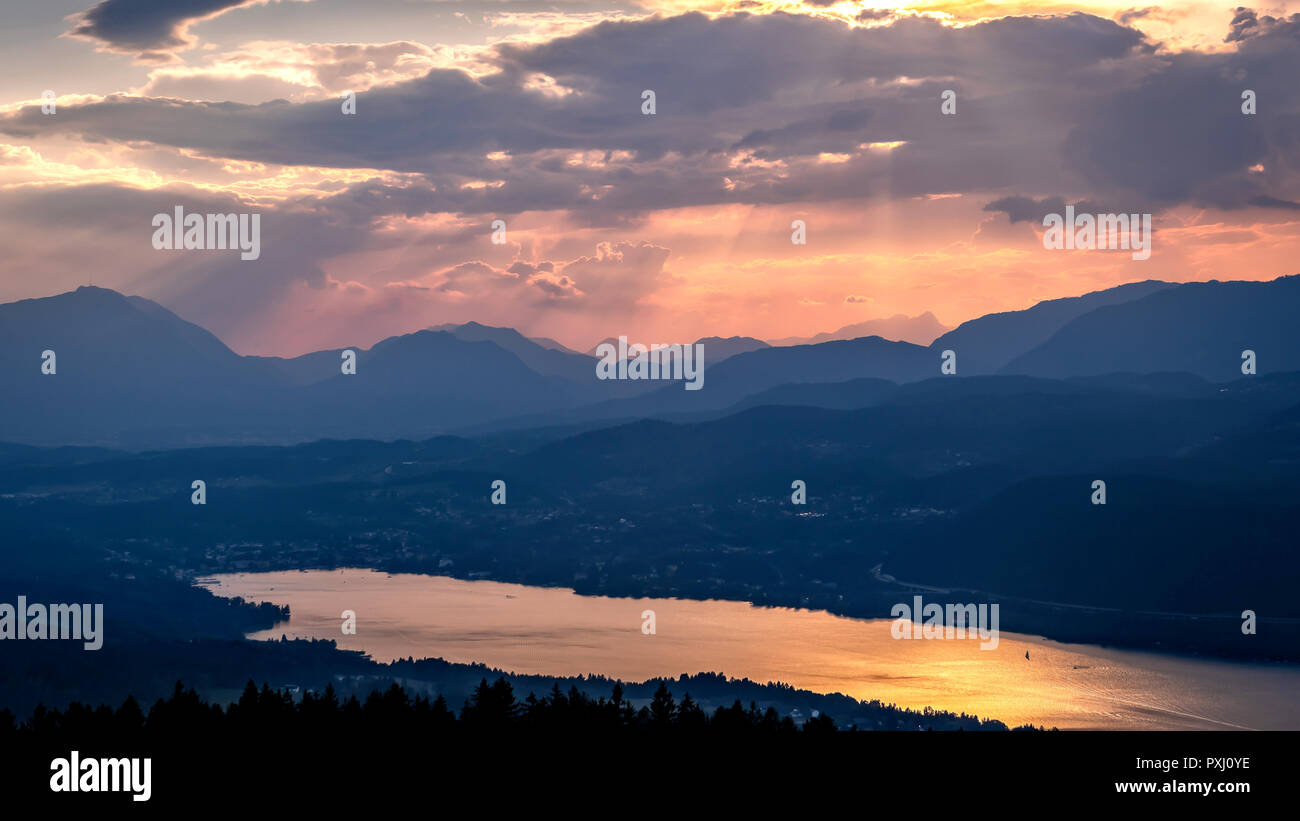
(557, 632)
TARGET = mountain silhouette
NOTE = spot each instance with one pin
(546, 361)
(716, 348)
(919, 330)
(986, 344)
(731, 381)
(129, 372)
(1200, 328)
(121, 363)
(132, 374)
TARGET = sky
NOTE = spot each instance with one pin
(661, 227)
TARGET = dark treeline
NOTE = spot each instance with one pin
(491, 708)
(57, 674)
(323, 747)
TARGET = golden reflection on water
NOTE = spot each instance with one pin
(554, 631)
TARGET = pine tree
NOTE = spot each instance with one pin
(663, 710)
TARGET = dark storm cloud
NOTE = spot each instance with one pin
(1128, 16)
(527, 270)
(149, 27)
(1028, 209)
(867, 15)
(1046, 106)
(1274, 202)
(1244, 21)
(1181, 136)
(814, 132)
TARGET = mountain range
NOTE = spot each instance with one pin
(129, 373)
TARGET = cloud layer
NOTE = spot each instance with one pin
(760, 119)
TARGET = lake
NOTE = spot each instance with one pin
(554, 631)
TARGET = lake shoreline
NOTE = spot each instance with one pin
(837, 653)
(1053, 621)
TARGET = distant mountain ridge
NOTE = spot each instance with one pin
(1199, 327)
(921, 329)
(988, 343)
(543, 360)
(130, 373)
(716, 348)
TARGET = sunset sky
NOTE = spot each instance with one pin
(662, 228)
